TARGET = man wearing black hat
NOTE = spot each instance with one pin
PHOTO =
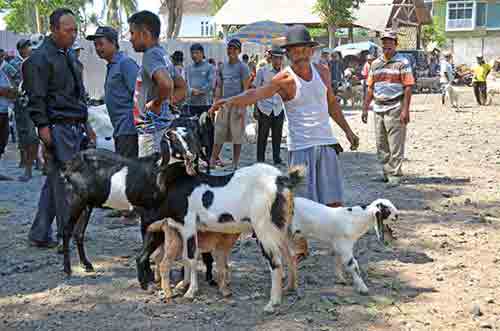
(200, 77)
(306, 91)
(270, 114)
(119, 89)
(234, 78)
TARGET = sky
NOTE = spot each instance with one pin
(152, 5)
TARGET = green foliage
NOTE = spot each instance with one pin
(21, 14)
(217, 5)
(435, 32)
(336, 12)
(114, 10)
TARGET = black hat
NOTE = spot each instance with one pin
(178, 56)
(298, 36)
(22, 44)
(234, 43)
(197, 47)
(104, 32)
(276, 51)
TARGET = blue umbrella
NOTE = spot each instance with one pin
(262, 32)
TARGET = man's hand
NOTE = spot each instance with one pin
(46, 136)
(92, 135)
(196, 92)
(353, 140)
(154, 107)
(364, 116)
(405, 117)
(217, 106)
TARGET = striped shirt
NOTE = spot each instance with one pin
(388, 78)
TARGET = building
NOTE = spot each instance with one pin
(196, 20)
(472, 27)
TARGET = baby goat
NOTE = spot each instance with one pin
(219, 244)
(341, 228)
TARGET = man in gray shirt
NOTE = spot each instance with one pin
(158, 83)
(230, 123)
(200, 78)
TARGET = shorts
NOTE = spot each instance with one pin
(230, 126)
(323, 175)
(149, 143)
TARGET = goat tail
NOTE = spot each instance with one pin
(156, 226)
(295, 176)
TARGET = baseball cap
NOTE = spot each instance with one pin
(22, 43)
(234, 43)
(390, 34)
(104, 32)
(37, 40)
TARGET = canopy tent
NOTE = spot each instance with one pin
(372, 14)
(356, 48)
(262, 32)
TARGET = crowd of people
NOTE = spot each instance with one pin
(143, 100)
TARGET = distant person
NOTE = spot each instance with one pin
(28, 138)
(178, 62)
(200, 77)
(234, 78)
(336, 71)
(481, 72)
(366, 71)
(446, 76)
(270, 112)
(390, 84)
(245, 59)
(7, 97)
(325, 58)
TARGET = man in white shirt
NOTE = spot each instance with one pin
(269, 112)
(446, 78)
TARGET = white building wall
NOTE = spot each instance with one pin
(191, 26)
(466, 49)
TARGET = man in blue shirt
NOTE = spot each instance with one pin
(200, 80)
(118, 89)
(7, 96)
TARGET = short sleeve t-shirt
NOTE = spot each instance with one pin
(481, 72)
(154, 59)
(233, 76)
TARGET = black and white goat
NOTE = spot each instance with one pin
(100, 178)
(256, 198)
(340, 228)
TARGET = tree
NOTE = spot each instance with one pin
(217, 5)
(30, 16)
(175, 10)
(435, 33)
(114, 10)
(334, 13)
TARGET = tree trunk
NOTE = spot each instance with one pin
(38, 18)
(179, 11)
(351, 34)
(332, 40)
(175, 11)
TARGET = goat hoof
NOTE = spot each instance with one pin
(88, 268)
(212, 283)
(363, 290)
(269, 308)
(227, 293)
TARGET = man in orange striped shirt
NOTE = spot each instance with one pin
(390, 84)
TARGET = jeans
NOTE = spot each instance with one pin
(480, 92)
(67, 141)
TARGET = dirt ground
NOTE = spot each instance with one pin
(442, 273)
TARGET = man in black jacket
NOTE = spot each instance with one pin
(54, 86)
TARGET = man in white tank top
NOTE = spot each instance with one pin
(306, 90)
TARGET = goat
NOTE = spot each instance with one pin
(209, 242)
(99, 178)
(341, 228)
(256, 198)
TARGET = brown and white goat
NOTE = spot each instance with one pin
(219, 244)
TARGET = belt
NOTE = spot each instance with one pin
(71, 121)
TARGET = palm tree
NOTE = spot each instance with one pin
(114, 10)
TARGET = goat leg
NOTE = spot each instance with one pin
(79, 236)
(144, 273)
(208, 260)
(76, 208)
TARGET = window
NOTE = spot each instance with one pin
(206, 29)
(481, 14)
(202, 29)
(212, 30)
(428, 5)
(460, 15)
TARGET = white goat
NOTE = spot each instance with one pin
(341, 228)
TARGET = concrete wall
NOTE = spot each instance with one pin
(95, 68)
(465, 48)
